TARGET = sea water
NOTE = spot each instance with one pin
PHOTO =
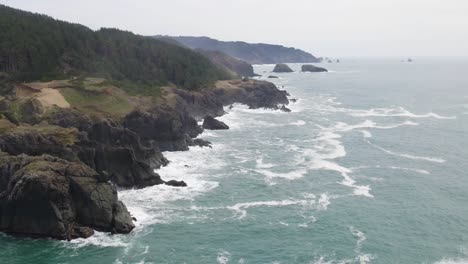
(371, 166)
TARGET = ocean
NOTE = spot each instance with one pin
(371, 166)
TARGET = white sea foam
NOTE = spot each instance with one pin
(394, 112)
(323, 202)
(366, 134)
(240, 208)
(298, 123)
(421, 171)
(99, 239)
(223, 257)
(410, 169)
(408, 156)
(240, 117)
(343, 127)
(292, 175)
(360, 236)
(151, 205)
(261, 165)
(328, 148)
(330, 106)
(364, 258)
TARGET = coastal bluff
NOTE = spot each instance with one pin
(60, 169)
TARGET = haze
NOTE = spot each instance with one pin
(324, 28)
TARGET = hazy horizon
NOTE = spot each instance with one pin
(333, 28)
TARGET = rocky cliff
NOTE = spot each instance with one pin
(67, 162)
(44, 196)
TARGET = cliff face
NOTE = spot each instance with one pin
(57, 174)
(44, 196)
(251, 53)
(66, 144)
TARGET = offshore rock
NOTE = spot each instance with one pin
(312, 68)
(282, 68)
(175, 183)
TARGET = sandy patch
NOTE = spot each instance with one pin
(49, 97)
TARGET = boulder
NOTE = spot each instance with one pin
(282, 68)
(312, 68)
(175, 183)
(45, 196)
(200, 143)
(213, 124)
(285, 109)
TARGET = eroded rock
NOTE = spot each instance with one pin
(213, 124)
(44, 196)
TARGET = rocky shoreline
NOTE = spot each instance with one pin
(59, 173)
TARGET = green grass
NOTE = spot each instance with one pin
(139, 88)
(92, 102)
(65, 136)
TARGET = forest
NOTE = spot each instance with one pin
(37, 47)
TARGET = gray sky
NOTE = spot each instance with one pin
(323, 27)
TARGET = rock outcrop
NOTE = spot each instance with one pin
(282, 68)
(44, 196)
(212, 123)
(312, 68)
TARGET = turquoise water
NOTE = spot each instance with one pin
(370, 167)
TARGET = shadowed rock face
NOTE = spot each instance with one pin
(282, 68)
(44, 196)
(129, 150)
(312, 68)
(213, 124)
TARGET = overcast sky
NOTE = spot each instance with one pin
(322, 27)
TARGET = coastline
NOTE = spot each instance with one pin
(115, 150)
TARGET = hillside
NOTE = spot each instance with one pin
(236, 67)
(38, 47)
(251, 53)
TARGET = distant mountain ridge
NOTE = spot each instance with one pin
(252, 53)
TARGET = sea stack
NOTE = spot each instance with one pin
(282, 68)
(312, 68)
